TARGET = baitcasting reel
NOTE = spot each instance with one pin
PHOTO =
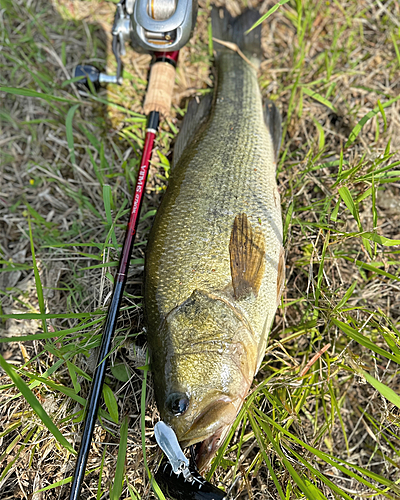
(150, 26)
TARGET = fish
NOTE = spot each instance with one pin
(214, 266)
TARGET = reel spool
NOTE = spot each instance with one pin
(162, 25)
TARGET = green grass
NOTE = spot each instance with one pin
(322, 419)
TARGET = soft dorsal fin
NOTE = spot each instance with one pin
(195, 116)
(273, 121)
(247, 256)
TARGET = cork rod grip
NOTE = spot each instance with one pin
(159, 91)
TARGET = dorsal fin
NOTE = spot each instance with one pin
(195, 116)
(273, 121)
(247, 256)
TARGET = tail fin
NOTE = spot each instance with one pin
(232, 29)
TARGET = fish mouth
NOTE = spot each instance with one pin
(205, 450)
(208, 430)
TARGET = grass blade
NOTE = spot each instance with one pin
(340, 464)
(33, 93)
(38, 283)
(307, 488)
(117, 486)
(321, 135)
(111, 402)
(133, 493)
(288, 220)
(364, 341)
(70, 132)
(357, 129)
(257, 433)
(369, 267)
(107, 197)
(319, 98)
(383, 115)
(349, 202)
(35, 405)
(153, 482)
(74, 378)
(320, 476)
(266, 16)
(383, 389)
(320, 274)
(98, 496)
(396, 48)
(377, 238)
(57, 387)
(64, 481)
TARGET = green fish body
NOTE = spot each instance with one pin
(214, 267)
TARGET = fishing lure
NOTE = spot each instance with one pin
(178, 477)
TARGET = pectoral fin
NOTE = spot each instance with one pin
(247, 256)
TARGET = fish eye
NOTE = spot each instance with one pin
(177, 403)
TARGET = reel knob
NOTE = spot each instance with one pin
(88, 72)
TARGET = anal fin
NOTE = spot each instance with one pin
(247, 257)
(280, 283)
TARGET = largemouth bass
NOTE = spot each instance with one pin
(215, 264)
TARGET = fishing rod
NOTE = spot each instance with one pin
(161, 28)
(113, 310)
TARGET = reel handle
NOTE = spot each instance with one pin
(88, 72)
(161, 83)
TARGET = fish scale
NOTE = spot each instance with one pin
(226, 169)
(204, 197)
